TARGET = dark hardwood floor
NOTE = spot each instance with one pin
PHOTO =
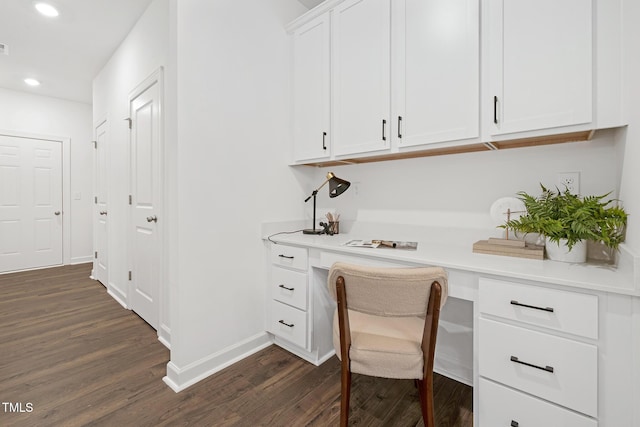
(72, 356)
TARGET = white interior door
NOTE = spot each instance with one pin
(30, 203)
(100, 262)
(146, 193)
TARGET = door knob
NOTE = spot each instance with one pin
(103, 212)
(56, 213)
(152, 218)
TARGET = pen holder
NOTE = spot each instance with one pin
(334, 226)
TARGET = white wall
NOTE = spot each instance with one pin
(227, 146)
(233, 104)
(144, 50)
(469, 183)
(630, 138)
(32, 114)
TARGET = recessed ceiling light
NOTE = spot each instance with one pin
(32, 82)
(47, 10)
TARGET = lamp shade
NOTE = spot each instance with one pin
(337, 186)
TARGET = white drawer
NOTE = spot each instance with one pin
(569, 312)
(289, 256)
(566, 372)
(289, 287)
(502, 406)
(289, 323)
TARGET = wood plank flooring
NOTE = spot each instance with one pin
(72, 356)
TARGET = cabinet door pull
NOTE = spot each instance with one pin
(549, 309)
(324, 142)
(545, 368)
(290, 325)
(515, 424)
(284, 287)
(285, 256)
(399, 126)
(384, 123)
(495, 109)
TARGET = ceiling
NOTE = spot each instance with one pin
(63, 53)
(67, 52)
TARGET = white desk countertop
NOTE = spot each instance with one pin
(455, 252)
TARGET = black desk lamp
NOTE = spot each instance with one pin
(337, 186)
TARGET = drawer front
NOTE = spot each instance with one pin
(502, 406)
(553, 368)
(289, 287)
(289, 323)
(289, 256)
(569, 312)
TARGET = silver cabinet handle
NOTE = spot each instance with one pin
(56, 213)
(152, 218)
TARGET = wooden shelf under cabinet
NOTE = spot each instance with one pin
(460, 149)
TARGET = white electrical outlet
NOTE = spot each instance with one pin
(569, 181)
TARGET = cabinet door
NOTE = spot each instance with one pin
(541, 64)
(360, 51)
(436, 70)
(311, 74)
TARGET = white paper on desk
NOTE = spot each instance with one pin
(362, 244)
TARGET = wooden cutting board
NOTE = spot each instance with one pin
(528, 251)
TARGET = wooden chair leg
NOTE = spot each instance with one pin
(345, 397)
(426, 402)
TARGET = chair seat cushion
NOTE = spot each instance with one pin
(388, 347)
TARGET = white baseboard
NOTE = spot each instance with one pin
(164, 336)
(178, 378)
(117, 295)
(81, 260)
(455, 370)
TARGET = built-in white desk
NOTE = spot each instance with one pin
(543, 343)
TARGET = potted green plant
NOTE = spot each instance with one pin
(568, 221)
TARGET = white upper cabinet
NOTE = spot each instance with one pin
(540, 64)
(385, 79)
(311, 90)
(360, 76)
(436, 71)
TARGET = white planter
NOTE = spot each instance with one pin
(558, 251)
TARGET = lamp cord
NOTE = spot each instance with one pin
(281, 232)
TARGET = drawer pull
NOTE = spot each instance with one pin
(515, 424)
(546, 368)
(291, 325)
(549, 309)
(285, 256)
(284, 287)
